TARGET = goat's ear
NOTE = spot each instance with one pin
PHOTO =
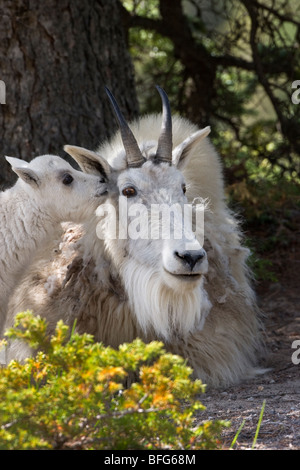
(89, 162)
(180, 153)
(20, 167)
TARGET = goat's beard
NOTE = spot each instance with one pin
(160, 310)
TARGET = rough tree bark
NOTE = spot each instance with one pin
(55, 59)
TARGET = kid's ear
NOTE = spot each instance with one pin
(181, 152)
(89, 162)
(20, 167)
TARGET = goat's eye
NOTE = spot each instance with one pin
(184, 188)
(67, 179)
(130, 191)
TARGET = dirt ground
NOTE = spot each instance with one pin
(280, 427)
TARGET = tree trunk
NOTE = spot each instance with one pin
(56, 58)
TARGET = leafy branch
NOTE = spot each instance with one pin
(72, 394)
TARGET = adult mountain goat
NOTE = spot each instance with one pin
(196, 299)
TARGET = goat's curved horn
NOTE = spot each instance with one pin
(133, 154)
(165, 144)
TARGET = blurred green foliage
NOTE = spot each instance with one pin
(245, 119)
(72, 395)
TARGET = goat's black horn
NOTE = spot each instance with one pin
(165, 145)
(133, 154)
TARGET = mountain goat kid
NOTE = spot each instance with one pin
(196, 299)
(48, 191)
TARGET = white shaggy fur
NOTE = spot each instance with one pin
(120, 289)
(47, 192)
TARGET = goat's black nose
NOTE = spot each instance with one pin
(191, 257)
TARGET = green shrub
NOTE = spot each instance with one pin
(72, 395)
